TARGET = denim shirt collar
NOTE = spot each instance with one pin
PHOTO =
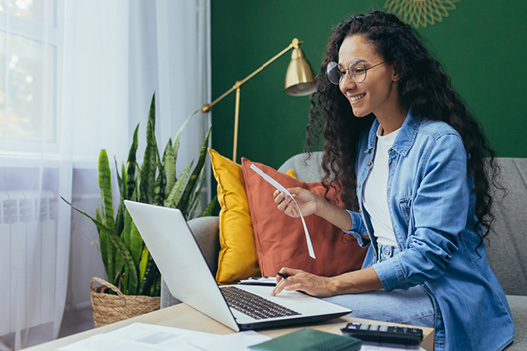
(405, 138)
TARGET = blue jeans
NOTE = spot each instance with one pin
(413, 306)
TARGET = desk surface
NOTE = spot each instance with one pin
(183, 316)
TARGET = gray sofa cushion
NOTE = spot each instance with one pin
(507, 246)
(307, 170)
(518, 305)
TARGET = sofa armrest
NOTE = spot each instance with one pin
(206, 232)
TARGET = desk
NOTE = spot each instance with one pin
(183, 316)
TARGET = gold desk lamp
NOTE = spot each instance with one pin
(298, 82)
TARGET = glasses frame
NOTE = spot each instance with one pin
(335, 65)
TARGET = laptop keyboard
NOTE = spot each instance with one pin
(254, 305)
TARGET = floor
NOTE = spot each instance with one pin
(76, 321)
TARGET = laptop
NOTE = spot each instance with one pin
(188, 277)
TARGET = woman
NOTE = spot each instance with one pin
(410, 160)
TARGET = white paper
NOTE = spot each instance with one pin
(143, 336)
(280, 187)
(270, 281)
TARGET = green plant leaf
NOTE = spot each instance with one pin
(196, 195)
(137, 191)
(157, 286)
(160, 183)
(105, 185)
(183, 202)
(103, 244)
(119, 219)
(210, 207)
(136, 243)
(149, 277)
(169, 166)
(131, 164)
(145, 254)
(117, 243)
(179, 132)
(125, 236)
(118, 266)
(149, 168)
(179, 186)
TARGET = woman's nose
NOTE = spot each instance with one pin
(347, 83)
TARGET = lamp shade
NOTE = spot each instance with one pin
(299, 77)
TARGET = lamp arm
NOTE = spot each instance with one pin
(294, 44)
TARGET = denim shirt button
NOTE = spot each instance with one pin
(369, 163)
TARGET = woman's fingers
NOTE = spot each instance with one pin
(286, 279)
(285, 203)
(302, 281)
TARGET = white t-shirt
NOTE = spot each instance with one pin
(375, 191)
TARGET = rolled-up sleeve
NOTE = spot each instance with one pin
(358, 228)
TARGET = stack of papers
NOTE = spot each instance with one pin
(142, 336)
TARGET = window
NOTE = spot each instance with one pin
(30, 45)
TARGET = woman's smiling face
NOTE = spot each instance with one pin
(377, 94)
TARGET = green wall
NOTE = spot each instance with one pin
(482, 45)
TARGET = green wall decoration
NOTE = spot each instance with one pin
(420, 12)
(481, 45)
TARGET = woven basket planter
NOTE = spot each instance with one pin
(108, 308)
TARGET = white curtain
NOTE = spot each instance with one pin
(77, 76)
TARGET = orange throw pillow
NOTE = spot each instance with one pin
(280, 239)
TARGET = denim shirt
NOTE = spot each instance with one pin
(431, 201)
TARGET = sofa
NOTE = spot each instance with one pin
(506, 244)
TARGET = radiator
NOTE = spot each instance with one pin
(28, 238)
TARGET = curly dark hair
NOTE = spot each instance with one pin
(423, 86)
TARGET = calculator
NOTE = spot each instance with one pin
(384, 333)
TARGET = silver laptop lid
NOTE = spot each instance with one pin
(188, 277)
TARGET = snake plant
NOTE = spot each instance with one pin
(126, 259)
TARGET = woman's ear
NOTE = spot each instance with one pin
(395, 74)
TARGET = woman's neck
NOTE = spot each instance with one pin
(392, 120)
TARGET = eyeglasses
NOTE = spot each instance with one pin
(356, 71)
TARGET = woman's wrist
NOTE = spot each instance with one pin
(337, 216)
(333, 285)
(354, 282)
(320, 204)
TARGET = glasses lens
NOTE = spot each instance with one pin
(358, 72)
(333, 72)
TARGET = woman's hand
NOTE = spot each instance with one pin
(311, 284)
(306, 200)
(311, 203)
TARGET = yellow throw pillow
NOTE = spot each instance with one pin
(237, 258)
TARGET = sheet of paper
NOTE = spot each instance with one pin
(280, 187)
(270, 281)
(140, 337)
